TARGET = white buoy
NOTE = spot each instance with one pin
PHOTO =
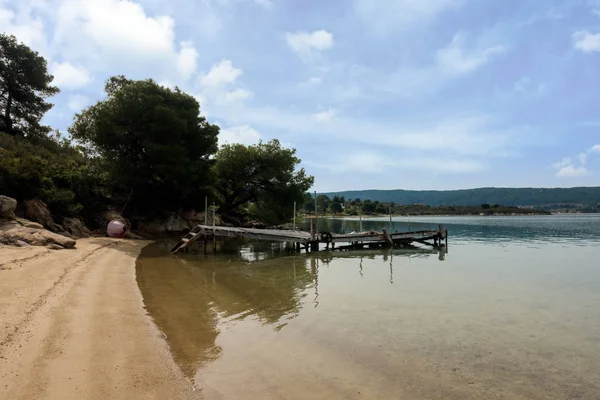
(116, 228)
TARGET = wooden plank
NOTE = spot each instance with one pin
(300, 237)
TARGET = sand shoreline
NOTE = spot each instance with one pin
(73, 326)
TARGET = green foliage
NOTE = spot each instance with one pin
(309, 203)
(381, 209)
(368, 207)
(263, 175)
(335, 207)
(323, 203)
(51, 169)
(154, 141)
(485, 206)
(24, 86)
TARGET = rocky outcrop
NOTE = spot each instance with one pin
(8, 206)
(22, 232)
(176, 223)
(27, 223)
(12, 232)
(76, 228)
(36, 210)
(197, 218)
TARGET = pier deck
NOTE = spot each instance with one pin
(306, 239)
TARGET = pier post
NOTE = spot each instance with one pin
(360, 221)
(390, 219)
(206, 211)
(214, 230)
(316, 214)
(294, 217)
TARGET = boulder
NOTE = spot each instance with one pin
(197, 218)
(13, 233)
(28, 224)
(176, 223)
(54, 246)
(67, 234)
(8, 206)
(36, 210)
(131, 235)
(75, 227)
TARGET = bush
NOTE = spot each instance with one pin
(52, 170)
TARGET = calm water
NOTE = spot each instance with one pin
(512, 311)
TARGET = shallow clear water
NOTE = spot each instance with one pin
(512, 311)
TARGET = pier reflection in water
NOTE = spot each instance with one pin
(192, 297)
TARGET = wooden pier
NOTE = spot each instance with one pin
(313, 240)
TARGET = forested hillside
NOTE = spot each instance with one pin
(555, 198)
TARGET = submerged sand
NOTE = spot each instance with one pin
(73, 326)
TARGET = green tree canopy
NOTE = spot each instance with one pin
(50, 169)
(260, 181)
(368, 206)
(24, 86)
(155, 142)
(335, 207)
(309, 203)
(323, 202)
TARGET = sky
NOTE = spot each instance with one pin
(373, 94)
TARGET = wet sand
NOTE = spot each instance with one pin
(73, 326)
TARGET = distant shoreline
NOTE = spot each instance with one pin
(370, 215)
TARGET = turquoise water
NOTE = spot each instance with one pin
(512, 311)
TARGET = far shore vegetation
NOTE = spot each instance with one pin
(340, 206)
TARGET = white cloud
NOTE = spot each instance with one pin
(78, 102)
(243, 134)
(454, 59)
(384, 16)
(236, 95)
(586, 41)
(186, 59)
(218, 85)
(570, 171)
(220, 74)
(115, 28)
(567, 169)
(307, 45)
(68, 76)
(27, 28)
(375, 162)
(118, 35)
(472, 135)
(563, 163)
(325, 116)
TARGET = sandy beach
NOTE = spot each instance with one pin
(73, 326)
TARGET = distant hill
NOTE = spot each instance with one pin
(523, 197)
